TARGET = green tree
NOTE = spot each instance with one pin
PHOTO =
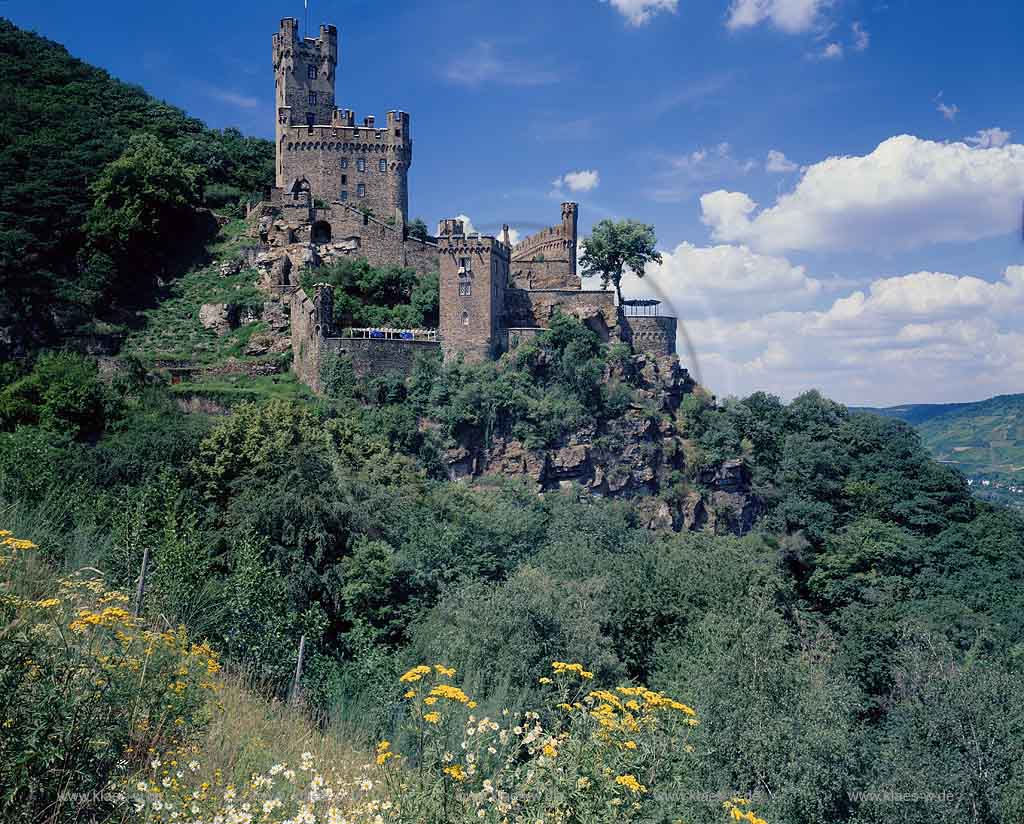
(614, 246)
(139, 201)
(418, 230)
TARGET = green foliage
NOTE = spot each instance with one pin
(370, 296)
(140, 201)
(614, 246)
(63, 393)
(46, 285)
(86, 690)
(418, 229)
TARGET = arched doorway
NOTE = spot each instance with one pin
(321, 232)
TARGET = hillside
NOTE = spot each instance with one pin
(51, 282)
(563, 584)
(985, 440)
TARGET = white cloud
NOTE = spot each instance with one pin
(791, 16)
(778, 163)
(906, 193)
(947, 110)
(482, 64)
(861, 37)
(728, 280)
(989, 138)
(920, 337)
(585, 180)
(639, 12)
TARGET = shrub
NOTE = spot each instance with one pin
(85, 690)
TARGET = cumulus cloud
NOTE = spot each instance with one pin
(470, 229)
(726, 280)
(790, 16)
(906, 193)
(989, 138)
(639, 12)
(778, 163)
(585, 180)
(833, 51)
(232, 98)
(761, 322)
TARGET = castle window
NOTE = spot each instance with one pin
(355, 133)
(312, 98)
(344, 163)
(344, 179)
(465, 318)
(361, 190)
(310, 119)
(465, 286)
(361, 164)
(383, 165)
(398, 132)
(344, 195)
(311, 72)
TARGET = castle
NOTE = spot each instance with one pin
(342, 190)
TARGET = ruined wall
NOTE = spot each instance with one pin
(656, 335)
(375, 357)
(547, 259)
(532, 308)
(351, 234)
(305, 340)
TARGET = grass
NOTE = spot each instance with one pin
(172, 330)
(234, 389)
(248, 733)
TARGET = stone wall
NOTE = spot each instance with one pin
(656, 335)
(343, 231)
(364, 166)
(305, 340)
(375, 357)
(547, 259)
(535, 308)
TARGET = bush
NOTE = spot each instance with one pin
(85, 690)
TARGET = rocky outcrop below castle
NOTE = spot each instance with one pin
(638, 456)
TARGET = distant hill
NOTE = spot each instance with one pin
(985, 440)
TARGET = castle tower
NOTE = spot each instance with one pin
(304, 75)
(474, 273)
(364, 165)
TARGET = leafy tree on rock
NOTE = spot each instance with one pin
(615, 246)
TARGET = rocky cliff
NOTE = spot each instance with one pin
(639, 455)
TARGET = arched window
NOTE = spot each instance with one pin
(465, 318)
(311, 72)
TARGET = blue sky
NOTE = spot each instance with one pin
(836, 186)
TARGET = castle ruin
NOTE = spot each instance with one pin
(342, 191)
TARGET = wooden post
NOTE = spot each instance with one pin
(140, 592)
(297, 683)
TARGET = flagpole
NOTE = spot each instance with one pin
(306, 4)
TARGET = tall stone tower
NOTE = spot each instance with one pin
(363, 165)
(474, 274)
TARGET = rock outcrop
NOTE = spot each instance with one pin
(638, 456)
